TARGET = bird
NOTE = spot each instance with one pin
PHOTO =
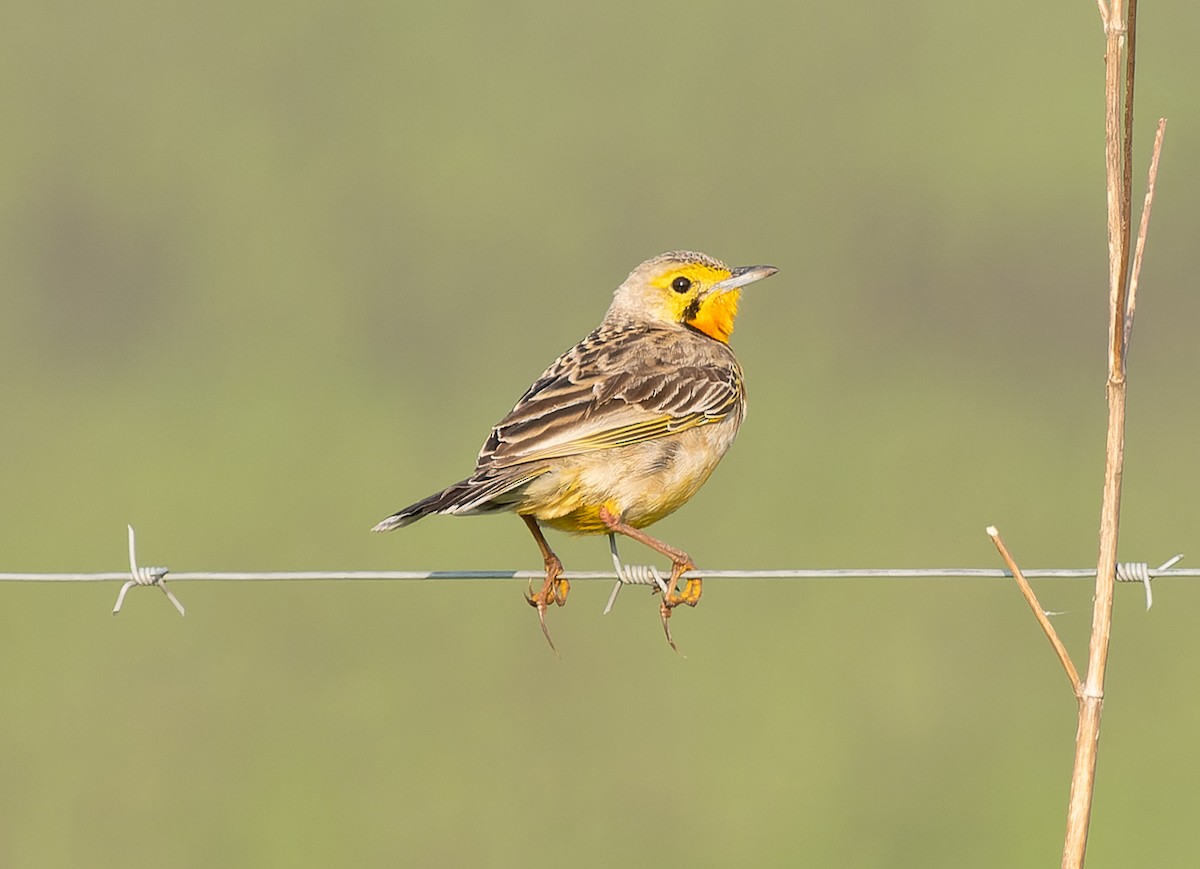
(623, 428)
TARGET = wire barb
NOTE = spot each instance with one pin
(1139, 571)
(144, 576)
(631, 574)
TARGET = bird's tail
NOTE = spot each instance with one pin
(479, 494)
(439, 502)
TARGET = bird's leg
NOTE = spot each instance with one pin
(681, 563)
(554, 588)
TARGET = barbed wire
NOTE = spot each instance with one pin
(623, 574)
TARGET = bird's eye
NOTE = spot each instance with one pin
(681, 284)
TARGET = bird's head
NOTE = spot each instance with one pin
(685, 288)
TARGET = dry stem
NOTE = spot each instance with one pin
(1120, 38)
(1083, 778)
(1091, 698)
(1120, 35)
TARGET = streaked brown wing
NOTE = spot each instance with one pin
(615, 388)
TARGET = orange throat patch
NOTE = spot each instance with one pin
(716, 315)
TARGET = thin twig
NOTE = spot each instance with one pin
(1039, 612)
(1151, 182)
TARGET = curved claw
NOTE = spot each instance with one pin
(538, 602)
(553, 589)
(546, 630)
(664, 611)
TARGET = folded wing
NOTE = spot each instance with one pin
(611, 390)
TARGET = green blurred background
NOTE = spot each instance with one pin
(270, 271)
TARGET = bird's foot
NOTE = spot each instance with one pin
(554, 590)
(681, 563)
(690, 595)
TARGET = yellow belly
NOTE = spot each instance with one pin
(642, 482)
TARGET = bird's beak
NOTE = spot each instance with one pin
(741, 276)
